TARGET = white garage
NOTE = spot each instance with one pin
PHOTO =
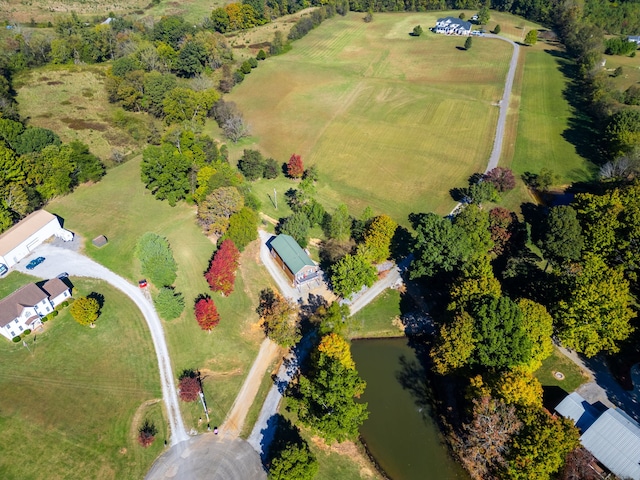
(21, 239)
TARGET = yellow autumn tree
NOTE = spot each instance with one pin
(335, 346)
(519, 387)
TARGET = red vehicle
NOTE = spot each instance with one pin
(142, 283)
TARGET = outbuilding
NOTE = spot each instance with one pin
(293, 260)
(21, 239)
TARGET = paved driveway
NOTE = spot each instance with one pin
(210, 457)
(60, 260)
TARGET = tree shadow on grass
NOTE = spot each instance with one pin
(98, 297)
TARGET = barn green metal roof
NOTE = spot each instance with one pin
(291, 253)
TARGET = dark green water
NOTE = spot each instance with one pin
(399, 433)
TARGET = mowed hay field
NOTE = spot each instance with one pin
(392, 121)
(71, 406)
(544, 119)
(122, 209)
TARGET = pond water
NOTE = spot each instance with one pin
(400, 433)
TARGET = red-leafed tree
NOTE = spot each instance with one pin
(502, 178)
(295, 168)
(147, 434)
(189, 387)
(501, 223)
(222, 273)
(206, 313)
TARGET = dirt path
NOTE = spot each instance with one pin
(234, 422)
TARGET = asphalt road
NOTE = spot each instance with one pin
(210, 457)
(60, 260)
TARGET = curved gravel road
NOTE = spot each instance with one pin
(60, 260)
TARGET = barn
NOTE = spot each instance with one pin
(293, 260)
(21, 239)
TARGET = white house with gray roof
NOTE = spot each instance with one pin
(611, 436)
(23, 309)
(452, 26)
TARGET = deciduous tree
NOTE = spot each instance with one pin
(169, 303)
(351, 273)
(279, 318)
(206, 313)
(532, 37)
(85, 310)
(221, 275)
(377, 238)
(214, 212)
(294, 462)
(455, 344)
(165, 172)
(562, 240)
(339, 225)
(189, 388)
(538, 324)
(295, 167)
(502, 178)
(242, 228)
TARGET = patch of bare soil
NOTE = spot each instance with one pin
(353, 452)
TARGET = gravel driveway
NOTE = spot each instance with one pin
(60, 260)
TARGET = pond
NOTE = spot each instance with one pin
(400, 433)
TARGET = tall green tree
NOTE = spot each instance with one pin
(562, 240)
(351, 273)
(165, 171)
(339, 226)
(595, 314)
(156, 259)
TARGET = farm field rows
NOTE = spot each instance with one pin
(68, 403)
(392, 121)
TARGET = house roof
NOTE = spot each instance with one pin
(55, 287)
(24, 229)
(575, 407)
(11, 306)
(455, 21)
(614, 439)
(291, 253)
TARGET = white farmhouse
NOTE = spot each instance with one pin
(452, 26)
(23, 309)
(21, 239)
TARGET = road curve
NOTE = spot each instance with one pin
(63, 260)
(504, 104)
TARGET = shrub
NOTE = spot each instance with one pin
(189, 387)
(26, 332)
(261, 55)
(417, 31)
(16, 339)
(206, 313)
(253, 62)
(147, 434)
(55, 313)
(497, 29)
(64, 304)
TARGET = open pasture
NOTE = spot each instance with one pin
(392, 121)
(71, 404)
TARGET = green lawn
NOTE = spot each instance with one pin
(543, 119)
(392, 121)
(71, 400)
(375, 319)
(13, 281)
(120, 208)
(558, 362)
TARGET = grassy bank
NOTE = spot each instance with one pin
(71, 399)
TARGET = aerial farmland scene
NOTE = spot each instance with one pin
(337, 239)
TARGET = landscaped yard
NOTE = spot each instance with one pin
(68, 403)
(120, 208)
(392, 121)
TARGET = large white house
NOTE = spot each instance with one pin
(23, 309)
(21, 239)
(452, 26)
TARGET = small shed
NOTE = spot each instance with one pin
(293, 260)
(100, 241)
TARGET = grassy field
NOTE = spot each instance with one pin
(558, 362)
(14, 281)
(544, 121)
(122, 209)
(71, 401)
(72, 101)
(375, 320)
(630, 70)
(391, 120)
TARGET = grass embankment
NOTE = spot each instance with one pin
(122, 209)
(13, 281)
(392, 121)
(70, 401)
(376, 319)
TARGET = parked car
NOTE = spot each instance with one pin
(63, 275)
(142, 283)
(3, 269)
(35, 262)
